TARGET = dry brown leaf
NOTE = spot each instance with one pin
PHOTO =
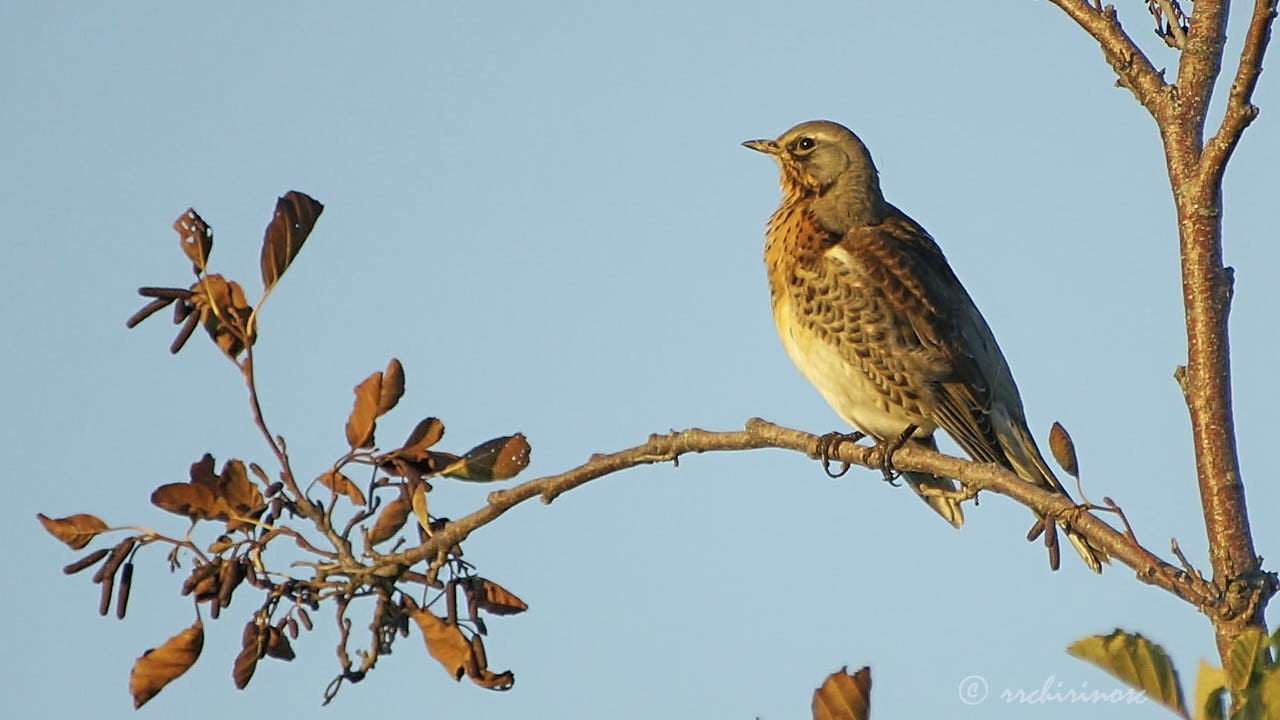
(425, 434)
(390, 520)
(296, 214)
(230, 575)
(502, 681)
(160, 666)
(220, 304)
(239, 492)
(342, 485)
(253, 646)
(196, 238)
(242, 669)
(75, 530)
(493, 598)
(360, 424)
(1064, 451)
(194, 501)
(278, 645)
(844, 696)
(392, 386)
(203, 579)
(445, 642)
(420, 506)
(201, 473)
(499, 459)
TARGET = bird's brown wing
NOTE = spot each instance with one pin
(958, 364)
(968, 389)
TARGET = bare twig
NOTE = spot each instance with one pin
(1131, 65)
(1240, 111)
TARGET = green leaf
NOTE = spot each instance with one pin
(1269, 694)
(499, 459)
(1246, 656)
(1135, 661)
(1210, 688)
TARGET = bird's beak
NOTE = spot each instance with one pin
(768, 147)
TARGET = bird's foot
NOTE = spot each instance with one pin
(887, 448)
(829, 443)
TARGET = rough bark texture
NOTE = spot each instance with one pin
(1195, 171)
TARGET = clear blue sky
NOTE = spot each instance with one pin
(544, 212)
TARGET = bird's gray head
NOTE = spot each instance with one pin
(826, 162)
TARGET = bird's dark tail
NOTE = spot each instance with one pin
(929, 486)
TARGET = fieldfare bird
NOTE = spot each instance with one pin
(871, 314)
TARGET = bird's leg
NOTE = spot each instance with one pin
(829, 443)
(888, 448)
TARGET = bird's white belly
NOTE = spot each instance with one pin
(848, 390)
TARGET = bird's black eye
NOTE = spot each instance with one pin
(805, 144)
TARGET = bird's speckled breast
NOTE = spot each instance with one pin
(836, 327)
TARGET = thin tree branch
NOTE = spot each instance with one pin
(1124, 56)
(1199, 67)
(1240, 110)
(304, 505)
(761, 434)
(1172, 18)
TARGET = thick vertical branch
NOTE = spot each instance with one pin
(1198, 68)
(1195, 174)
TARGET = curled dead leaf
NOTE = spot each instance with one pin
(419, 501)
(196, 238)
(253, 646)
(230, 575)
(493, 598)
(76, 530)
(278, 645)
(445, 642)
(425, 434)
(203, 581)
(392, 386)
(342, 485)
(490, 680)
(361, 423)
(390, 520)
(221, 306)
(160, 666)
(843, 696)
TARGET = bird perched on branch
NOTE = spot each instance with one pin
(871, 313)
